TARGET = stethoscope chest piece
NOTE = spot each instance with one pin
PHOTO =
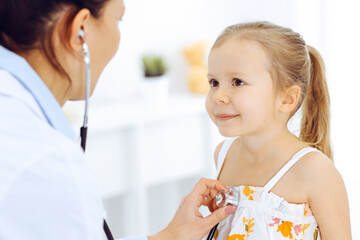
(224, 199)
(228, 198)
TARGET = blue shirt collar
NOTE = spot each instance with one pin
(25, 74)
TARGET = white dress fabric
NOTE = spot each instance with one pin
(263, 215)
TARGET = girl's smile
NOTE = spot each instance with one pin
(226, 117)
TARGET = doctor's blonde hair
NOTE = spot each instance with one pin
(293, 63)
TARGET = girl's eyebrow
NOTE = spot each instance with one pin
(210, 75)
(237, 74)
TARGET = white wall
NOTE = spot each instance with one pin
(165, 27)
(344, 79)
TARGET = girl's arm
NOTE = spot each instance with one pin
(328, 198)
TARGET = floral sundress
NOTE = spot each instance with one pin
(263, 215)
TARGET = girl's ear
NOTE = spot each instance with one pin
(290, 99)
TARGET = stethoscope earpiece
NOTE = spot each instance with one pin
(81, 34)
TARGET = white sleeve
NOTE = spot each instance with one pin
(44, 201)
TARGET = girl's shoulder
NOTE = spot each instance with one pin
(317, 173)
(313, 162)
(326, 193)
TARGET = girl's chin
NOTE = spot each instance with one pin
(229, 132)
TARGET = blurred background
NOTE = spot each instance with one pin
(150, 140)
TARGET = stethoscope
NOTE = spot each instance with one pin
(83, 129)
(222, 200)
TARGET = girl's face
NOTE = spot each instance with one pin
(241, 98)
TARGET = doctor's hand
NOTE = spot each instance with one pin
(188, 223)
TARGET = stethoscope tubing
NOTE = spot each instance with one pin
(212, 232)
(83, 129)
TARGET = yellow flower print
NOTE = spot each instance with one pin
(249, 224)
(316, 232)
(285, 229)
(300, 228)
(248, 191)
(236, 237)
(304, 228)
(307, 210)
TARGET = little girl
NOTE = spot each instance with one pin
(260, 74)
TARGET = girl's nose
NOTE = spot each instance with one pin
(221, 96)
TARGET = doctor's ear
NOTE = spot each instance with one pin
(78, 29)
(289, 99)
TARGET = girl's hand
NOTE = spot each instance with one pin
(188, 223)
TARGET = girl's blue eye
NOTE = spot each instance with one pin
(237, 82)
(213, 83)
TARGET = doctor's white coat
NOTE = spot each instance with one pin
(47, 187)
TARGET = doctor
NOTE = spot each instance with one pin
(47, 189)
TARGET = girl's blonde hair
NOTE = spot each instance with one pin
(293, 63)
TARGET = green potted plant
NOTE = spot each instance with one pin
(155, 81)
(153, 66)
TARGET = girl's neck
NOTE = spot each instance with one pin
(258, 149)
